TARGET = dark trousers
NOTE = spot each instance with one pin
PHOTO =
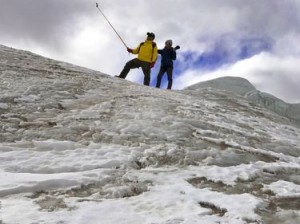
(136, 63)
(161, 72)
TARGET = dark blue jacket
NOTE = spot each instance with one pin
(167, 57)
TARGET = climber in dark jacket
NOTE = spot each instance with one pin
(168, 54)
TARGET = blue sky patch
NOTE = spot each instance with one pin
(226, 51)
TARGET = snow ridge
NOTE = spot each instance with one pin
(244, 88)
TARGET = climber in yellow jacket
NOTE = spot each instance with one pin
(147, 55)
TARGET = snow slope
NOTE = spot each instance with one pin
(243, 87)
(79, 146)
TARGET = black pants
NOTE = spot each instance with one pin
(136, 63)
(161, 72)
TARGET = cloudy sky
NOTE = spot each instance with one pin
(257, 39)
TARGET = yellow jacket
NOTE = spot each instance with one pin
(146, 52)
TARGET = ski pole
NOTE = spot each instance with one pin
(111, 25)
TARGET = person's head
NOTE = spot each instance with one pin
(150, 36)
(168, 43)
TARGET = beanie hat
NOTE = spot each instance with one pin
(169, 42)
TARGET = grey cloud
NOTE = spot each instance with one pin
(39, 21)
(274, 18)
(187, 21)
(192, 20)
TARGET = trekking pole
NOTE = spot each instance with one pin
(111, 25)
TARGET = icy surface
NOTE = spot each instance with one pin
(78, 146)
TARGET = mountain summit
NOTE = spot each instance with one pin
(79, 146)
(237, 85)
(244, 88)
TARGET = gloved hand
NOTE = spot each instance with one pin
(129, 50)
(152, 64)
(177, 47)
